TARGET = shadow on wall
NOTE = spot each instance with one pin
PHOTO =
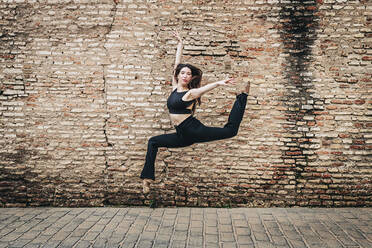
(21, 186)
(15, 179)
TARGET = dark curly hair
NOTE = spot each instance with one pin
(195, 81)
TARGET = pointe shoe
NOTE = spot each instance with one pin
(146, 186)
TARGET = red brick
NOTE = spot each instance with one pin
(359, 102)
(355, 147)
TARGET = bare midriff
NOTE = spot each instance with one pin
(177, 119)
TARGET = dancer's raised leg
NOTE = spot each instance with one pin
(206, 134)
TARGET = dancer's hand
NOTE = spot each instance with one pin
(227, 81)
(177, 35)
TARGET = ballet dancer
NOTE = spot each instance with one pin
(186, 94)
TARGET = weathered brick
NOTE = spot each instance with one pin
(83, 91)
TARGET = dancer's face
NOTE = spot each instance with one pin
(184, 77)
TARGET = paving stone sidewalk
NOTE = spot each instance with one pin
(185, 227)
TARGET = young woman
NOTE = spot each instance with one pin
(181, 104)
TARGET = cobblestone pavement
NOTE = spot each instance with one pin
(185, 227)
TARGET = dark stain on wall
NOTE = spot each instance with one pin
(14, 181)
(298, 25)
(15, 27)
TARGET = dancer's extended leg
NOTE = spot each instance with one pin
(205, 134)
(172, 140)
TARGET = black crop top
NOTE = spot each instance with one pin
(176, 105)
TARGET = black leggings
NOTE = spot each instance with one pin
(192, 131)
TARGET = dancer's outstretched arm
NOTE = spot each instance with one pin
(198, 92)
(178, 56)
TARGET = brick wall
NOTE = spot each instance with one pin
(83, 86)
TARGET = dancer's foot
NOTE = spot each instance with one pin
(146, 185)
(242, 89)
(246, 88)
